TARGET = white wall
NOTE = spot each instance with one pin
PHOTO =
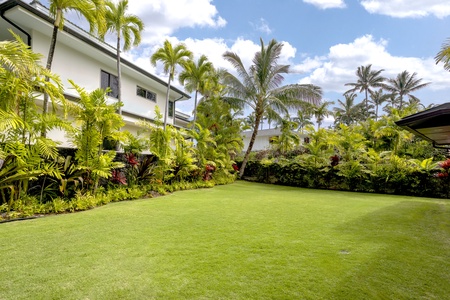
(84, 70)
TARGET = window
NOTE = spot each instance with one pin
(145, 93)
(171, 108)
(110, 81)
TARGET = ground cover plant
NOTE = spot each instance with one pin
(238, 241)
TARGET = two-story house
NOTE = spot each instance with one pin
(91, 64)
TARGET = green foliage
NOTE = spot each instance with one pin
(288, 140)
(159, 141)
(98, 121)
(342, 159)
(259, 87)
(184, 162)
(170, 56)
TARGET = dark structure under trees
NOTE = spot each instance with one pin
(432, 125)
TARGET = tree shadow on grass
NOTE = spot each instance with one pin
(399, 252)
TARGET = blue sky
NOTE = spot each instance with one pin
(324, 40)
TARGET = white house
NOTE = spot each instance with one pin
(91, 64)
(264, 138)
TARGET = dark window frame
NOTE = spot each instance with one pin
(171, 109)
(108, 80)
(144, 93)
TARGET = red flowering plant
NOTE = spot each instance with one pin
(131, 159)
(445, 166)
(209, 170)
(131, 168)
(334, 160)
(118, 177)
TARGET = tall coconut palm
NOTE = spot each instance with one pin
(321, 112)
(378, 97)
(92, 10)
(404, 84)
(194, 77)
(260, 87)
(347, 112)
(128, 29)
(444, 55)
(302, 119)
(367, 79)
(170, 57)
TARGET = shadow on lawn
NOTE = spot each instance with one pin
(405, 250)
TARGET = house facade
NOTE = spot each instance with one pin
(264, 138)
(91, 64)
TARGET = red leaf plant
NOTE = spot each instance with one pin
(118, 177)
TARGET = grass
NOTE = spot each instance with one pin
(240, 241)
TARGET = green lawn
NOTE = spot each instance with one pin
(239, 241)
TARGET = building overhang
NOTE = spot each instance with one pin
(432, 125)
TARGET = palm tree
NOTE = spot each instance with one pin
(321, 111)
(288, 139)
(127, 27)
(92, 10)
(21, 76)
(348, 112)
(170, 57)
(195, 75)
(404, 84)
(378, 98)
(367, 79)
(211, 86)
(261, 89)
(444, 55)
(303, 119)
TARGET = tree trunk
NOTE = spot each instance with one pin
(367, 104)
(119, 76)
(195, 109)
(51, 53)
(250, 145)
(119, 84)
(166, 108)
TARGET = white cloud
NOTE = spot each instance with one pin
(408, 8)
(308, 65)
(163, 17)
(262, 26)
(324, 4)
(340, 64)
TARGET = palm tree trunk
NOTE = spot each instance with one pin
(119, 76)
(119, 83)
(250, 145)
(195, 109)
(367, 103)
(51, 53)
(166, 108)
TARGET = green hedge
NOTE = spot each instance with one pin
(385, 179)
